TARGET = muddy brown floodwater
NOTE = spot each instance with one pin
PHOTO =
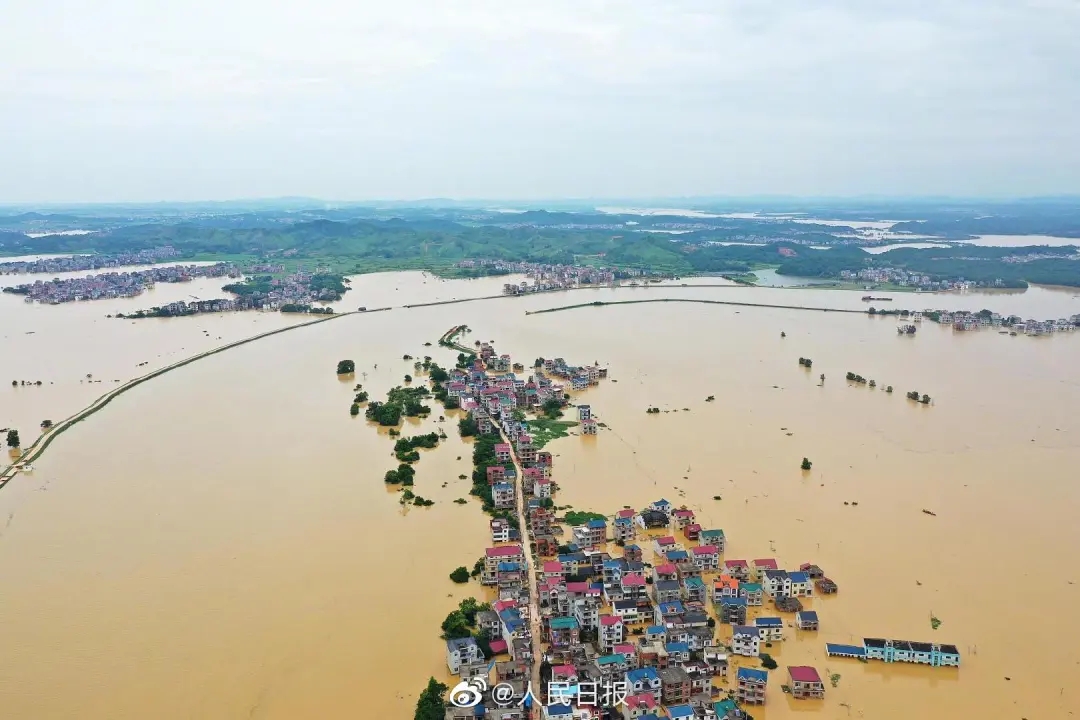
(218, 542)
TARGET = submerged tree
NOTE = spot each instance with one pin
(431, 706)
(806, 464)
(460, 575)
(346, 367)
(13, 439)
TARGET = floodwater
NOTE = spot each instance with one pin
(1022, 240)
(886, 248)
(218, 543)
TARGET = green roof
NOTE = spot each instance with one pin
(563, 623)
(694, 581)
(724, 706)
(750, 587)
(609, 659)
(713, 533)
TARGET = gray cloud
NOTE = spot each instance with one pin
(127, 100)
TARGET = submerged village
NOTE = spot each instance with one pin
(636, 615)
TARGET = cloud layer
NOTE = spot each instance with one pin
(129, 100)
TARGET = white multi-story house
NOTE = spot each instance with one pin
(746, 641)
(776, 582)
(771, 628)
(612, 630)
(460, 652)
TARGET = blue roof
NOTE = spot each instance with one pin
(559, 710)
(661, 501)
(640, 674)
(654, 630)
(807, 614)
(769, 622)
(677, 647)
(752, 674)
(675, 712)
(509, 566)
(677, 555)
(502, 487)
(624, 521)
(596, 524)
(849, 650)
(726, 600)
(632, 547)
(671, 607)
(799, 577)
(613, 564)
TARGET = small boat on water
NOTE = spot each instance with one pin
(27, 468)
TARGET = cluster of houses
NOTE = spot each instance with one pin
(919, 281)
(294, 292)
(546, 277)
(78, 263)
(965, 320)
(611, 619)
(654, 632)
(116, 284)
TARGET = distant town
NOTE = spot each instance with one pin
(297, 293)
(638, 614)
(105, 286)
(547, 277)
(77, 263)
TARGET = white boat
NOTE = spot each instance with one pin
(27, 468)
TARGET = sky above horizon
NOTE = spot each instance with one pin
(122, 100)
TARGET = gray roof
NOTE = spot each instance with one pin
(460, 643)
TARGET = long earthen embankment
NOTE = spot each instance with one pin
(39, 446)
(601, 303)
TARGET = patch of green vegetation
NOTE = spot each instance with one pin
(543, 430)
(399, 401)
(580, 517)
(405, 448)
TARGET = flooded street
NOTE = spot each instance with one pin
(219, 542)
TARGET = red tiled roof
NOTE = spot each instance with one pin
(705, 550)
(666, 569)
(633, 580)
(683, 512)
(624, 649)
(666, 540)
(553, 566)
(609, 620)
(735, 563)
(497, 646)
(804, 673)
(645, 700)
(503, 551)
(766, 563)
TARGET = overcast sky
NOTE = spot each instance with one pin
(215, 99)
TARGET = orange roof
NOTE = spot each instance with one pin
(726, 581)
